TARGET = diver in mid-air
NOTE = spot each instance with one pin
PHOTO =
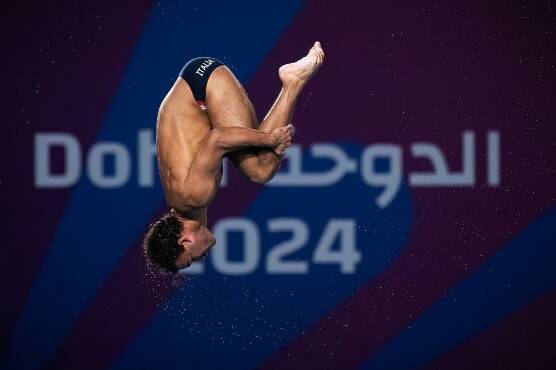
(205, 116)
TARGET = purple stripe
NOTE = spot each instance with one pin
(419, 72)
(67, 59)
(525, 340)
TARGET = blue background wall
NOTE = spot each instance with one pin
(440, 276)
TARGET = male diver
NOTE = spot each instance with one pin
(206, 116)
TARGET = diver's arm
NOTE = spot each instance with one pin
(201, 184)
(228, 139)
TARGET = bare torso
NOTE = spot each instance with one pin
(181, 128)
(192, 143)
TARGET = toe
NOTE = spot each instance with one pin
(320, 58)
(313, 51)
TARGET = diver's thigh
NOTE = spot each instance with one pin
(227, 102)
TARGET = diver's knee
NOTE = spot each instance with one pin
(262, 175)
(259, 178)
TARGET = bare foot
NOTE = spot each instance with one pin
(301, 71)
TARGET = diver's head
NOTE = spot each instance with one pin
(173, 242)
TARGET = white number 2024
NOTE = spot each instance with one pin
(346, 255)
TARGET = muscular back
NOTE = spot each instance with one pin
(181, 128)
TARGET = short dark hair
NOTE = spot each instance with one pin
(161, 245)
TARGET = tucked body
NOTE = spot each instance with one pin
(206, 116)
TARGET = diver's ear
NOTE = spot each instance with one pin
(184, 241)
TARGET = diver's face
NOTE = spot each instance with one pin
(202, 240)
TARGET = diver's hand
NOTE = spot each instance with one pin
(282, 138)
